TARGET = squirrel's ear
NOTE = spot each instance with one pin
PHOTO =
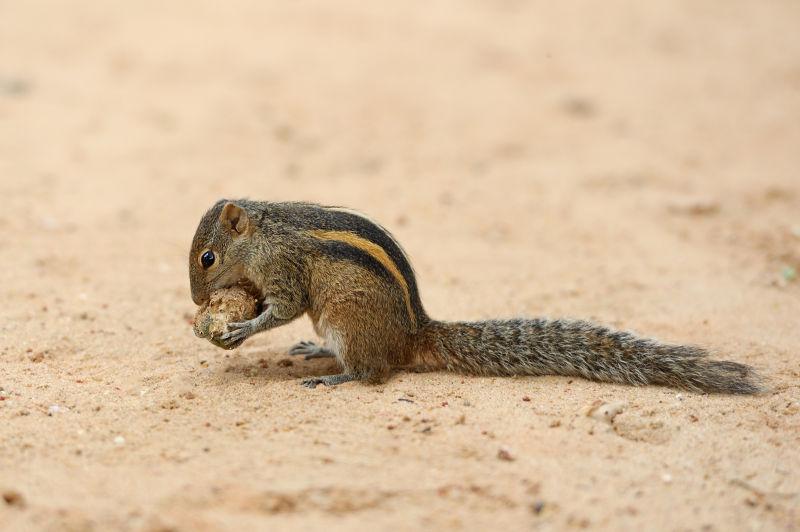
(234, 219)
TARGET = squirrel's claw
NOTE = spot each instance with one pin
(328, 380)
(311, 383)
(310, 350)
(303, 348)
(239, 331)
(242, 330)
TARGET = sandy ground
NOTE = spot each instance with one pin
(637, 163)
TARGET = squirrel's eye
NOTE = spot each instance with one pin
(207, 259)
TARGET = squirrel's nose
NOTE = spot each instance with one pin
(199, 297)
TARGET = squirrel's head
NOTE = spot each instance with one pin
(220, 249)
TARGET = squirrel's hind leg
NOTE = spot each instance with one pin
(328, 380)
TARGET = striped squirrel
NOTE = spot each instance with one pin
(356, 284)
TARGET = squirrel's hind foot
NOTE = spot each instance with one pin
(310, 350)
(328, 380)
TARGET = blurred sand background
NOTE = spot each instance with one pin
(637, 163)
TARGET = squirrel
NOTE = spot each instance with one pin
(357, 285)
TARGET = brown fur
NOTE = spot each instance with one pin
(373, 250)
(371, 321)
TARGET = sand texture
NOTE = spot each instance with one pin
(636, 163)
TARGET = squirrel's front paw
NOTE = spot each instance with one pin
(241, 330)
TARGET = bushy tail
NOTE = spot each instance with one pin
(581, 349)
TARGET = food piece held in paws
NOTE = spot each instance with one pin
(224, 306)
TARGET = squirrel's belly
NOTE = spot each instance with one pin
(333, 339)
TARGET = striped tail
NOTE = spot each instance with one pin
(580, 349)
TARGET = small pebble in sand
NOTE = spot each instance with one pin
(285, 363)
(606, 411)
(579, 107)
(694, 206)
(14, 498)
(55, 409)
(666, 478)
(15, 86)
(505, 454)
(119, 441)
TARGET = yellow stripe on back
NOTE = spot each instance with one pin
(370, 220)
(373, 250)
